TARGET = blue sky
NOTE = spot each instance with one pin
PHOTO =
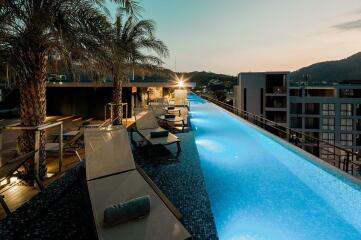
(231, 36)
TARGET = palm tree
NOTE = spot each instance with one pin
(32, 30)
(133, 44)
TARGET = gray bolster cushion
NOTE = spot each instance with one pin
(124, 212)
(159, 134)
(169, 116)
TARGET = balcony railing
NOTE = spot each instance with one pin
(345, 160)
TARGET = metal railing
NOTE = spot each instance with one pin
(344, 159)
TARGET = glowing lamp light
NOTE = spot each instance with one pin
(180, 83)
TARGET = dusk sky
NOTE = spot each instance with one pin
(231, 36)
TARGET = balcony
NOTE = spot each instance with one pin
(276, 102)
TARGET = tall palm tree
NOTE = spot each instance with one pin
(133, 43)
(30, 30)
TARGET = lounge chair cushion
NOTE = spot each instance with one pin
(171, 138)
(124, 212)
(159, 134)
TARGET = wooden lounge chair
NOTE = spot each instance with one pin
(146, 124)
(8, 169)
(114, 178)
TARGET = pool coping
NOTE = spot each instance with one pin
(307, 156)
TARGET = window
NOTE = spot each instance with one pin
(245, 99)
(296, 92)
(343, 155)
(358, 140)
(328, 153)
(358, 125)
(346, 139)
(328, 137)
(296, 108)
(346, 109)
(312, 108)
(328, 124)
(358, 109)
(296, 122)
(312, 123)
(346, 124)
(261, 100)
(328, 109)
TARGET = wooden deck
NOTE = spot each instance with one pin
(17, 193)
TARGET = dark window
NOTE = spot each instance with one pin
(296, 108)
(358, 109)
(296, 122)
(296, 92)
(261, 100)
(245, 99)
(358, 140)
(312, 108)
(350, 93)
(358, 125)
(312, 123)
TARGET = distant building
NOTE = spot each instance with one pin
(264, 94)
(330, 113)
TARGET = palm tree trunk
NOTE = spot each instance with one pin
(33, 111)
(117, 100)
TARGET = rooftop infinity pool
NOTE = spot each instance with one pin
(261, 188)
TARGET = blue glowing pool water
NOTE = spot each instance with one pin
(261, 188)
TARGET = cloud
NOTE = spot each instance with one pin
(356, 24)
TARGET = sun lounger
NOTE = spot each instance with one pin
(180, 98)
(107, 152)
(147, 123)
(159, 224)
(113, 178)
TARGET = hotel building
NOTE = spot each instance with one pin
(329, 113)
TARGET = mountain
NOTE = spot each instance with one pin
(205, 78)
(331, 71)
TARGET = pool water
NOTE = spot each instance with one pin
(260, 188)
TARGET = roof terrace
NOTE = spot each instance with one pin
(224, 180)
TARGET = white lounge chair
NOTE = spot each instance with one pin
(146, 123)
(108, 152)
(180, 98)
